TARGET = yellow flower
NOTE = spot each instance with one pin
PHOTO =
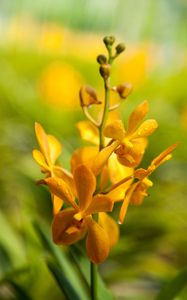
(138, 190)
(71, 224)
(50, 149)
(133, 141)
(105, 159)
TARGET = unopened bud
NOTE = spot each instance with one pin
(120, 48)
(124, 90)
(109, 40)
(88, 96)
(105, 71)
(101, 59)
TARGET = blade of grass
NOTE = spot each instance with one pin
(64, 284)
(84, 265)
(67, 268)
(173, 287)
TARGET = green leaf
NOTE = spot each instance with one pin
(5, 260)
(63, 283)
(69, 269)
(173, 287)
(84, 265)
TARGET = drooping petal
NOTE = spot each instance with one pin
(55, 148)
(164, 156)
(66, 176)
(97, 242)
(115, 130)
(42, 141)
(61, 223)
(99, 203)
(85, 183)
(83, 156)
(110, 227)
(57, 204)
(126, 202)
(88, 132)
(137, 116)
(145, 129)
(59, 188)
(102, 157)
(39, 158)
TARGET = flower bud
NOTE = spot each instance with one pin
(124, 90)
(105, 71)
(109, 40)
(120, 48)
(101, 59)
(88, 96)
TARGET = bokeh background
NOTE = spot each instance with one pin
(48, 50)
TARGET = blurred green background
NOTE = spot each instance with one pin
(47, 50)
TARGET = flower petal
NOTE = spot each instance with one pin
(140, 192)
(145, 129)
(55, 148)
(137, 116)
(100, 203)
(104, 178)
(131, 157)
(57, 204)
(117, 171)
(88, 132)
(110, 227)
(83, 156)
(85, 183)
(61, 223)
(59, 188)
(102, 157)
(97, 242)
(164, 156)
(39, 158)
(42, 141)
(65, 175)
(115, 130)
(126, 202)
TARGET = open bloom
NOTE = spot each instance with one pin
(133, 141)
(138, 190)
(50, 150)
(104, 161)
(71, 224)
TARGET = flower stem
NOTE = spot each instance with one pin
(93, 280)
(105, 113)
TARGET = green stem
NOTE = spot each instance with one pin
(93, 274)
(105, 113)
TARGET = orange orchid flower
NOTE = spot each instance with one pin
(133, 141)
(50, 149)
(71, 224)
(104, 160)
(138, 190)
